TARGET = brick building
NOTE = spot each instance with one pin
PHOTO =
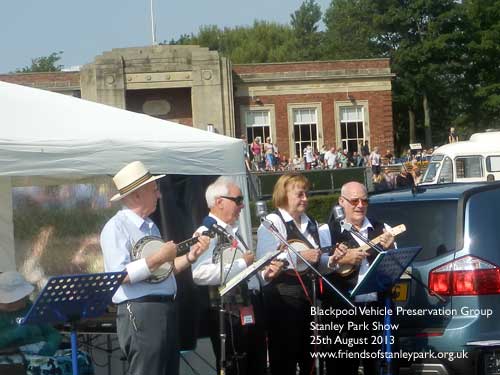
(336, 103)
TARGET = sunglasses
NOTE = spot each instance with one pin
(355, 201)
(237, 200)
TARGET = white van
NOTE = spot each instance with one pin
(477, 159)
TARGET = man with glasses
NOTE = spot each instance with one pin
(354, 200)
(245, 344)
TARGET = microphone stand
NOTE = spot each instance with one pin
(222, 315)
(274, 231)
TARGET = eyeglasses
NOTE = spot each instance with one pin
(237, 200)
(355, 201)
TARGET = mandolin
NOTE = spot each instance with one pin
(347, 269)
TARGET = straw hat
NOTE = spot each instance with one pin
(13, 287)
(132, 177)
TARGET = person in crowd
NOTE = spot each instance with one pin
(388, 157)
(32, 346)
(380, 182)
(365, 152)
(246, 153)
(404, 179)
(416, 174)
(343, 159)
(256, 150)
(146, 320)
(308, 157)
(288, 295)
(452, 136)
(331, 158)
(374, 161)
(322, 153)
(269, 154)
(359, 161)
(245, 341)
(390, 179)
(298, 164)
(354, 201)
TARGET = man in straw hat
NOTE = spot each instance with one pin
(146, 317)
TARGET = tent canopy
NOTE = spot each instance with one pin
(50, 134)
(50, 138)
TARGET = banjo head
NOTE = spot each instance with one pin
(149, 245)
(299, 246)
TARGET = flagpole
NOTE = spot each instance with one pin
(153, 31)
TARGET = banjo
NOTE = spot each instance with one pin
(150, 244)
(344, 269)
(347, 269)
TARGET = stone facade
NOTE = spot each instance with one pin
(339, 102)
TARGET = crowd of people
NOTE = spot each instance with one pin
(266, 157)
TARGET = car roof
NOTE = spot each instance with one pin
(433, 192)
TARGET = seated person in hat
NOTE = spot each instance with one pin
(14, 303)
(146, 319)
(33, 345)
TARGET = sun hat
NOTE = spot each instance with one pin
(132, 177)
(13, 287)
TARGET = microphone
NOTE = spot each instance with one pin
(260, 209)
(339, 216)
(338, 213)
(212, 225)
(268, 224)
(208, 222)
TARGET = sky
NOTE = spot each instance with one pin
(85, 29)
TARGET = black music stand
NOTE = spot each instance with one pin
(383, 273)
(70, 298)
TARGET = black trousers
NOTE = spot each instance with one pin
(151, 346)
(246, 350)
(288, 325)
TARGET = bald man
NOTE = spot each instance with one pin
(354, 200)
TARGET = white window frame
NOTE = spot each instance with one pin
(292, 107)
(272, 119)
(339, 105)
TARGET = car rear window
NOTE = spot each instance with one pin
(430, 224)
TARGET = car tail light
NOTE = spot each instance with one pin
(464, 276)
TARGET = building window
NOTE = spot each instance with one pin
(258, 124)
(305, 129)
(352, 127)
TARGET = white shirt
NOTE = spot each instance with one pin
(267, 242)
(205, 272)
(308, 154)
(118, 238)
(331, 159)
(364, 266)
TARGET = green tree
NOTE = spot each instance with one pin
(305, 23)
(350, 30)
(259, 43)
(43, 64)
(482, 73)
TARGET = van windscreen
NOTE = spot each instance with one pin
(430, 224)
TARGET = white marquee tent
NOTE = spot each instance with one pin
(45, 135)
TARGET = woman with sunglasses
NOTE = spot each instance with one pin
(288, 295)
(354, 200)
